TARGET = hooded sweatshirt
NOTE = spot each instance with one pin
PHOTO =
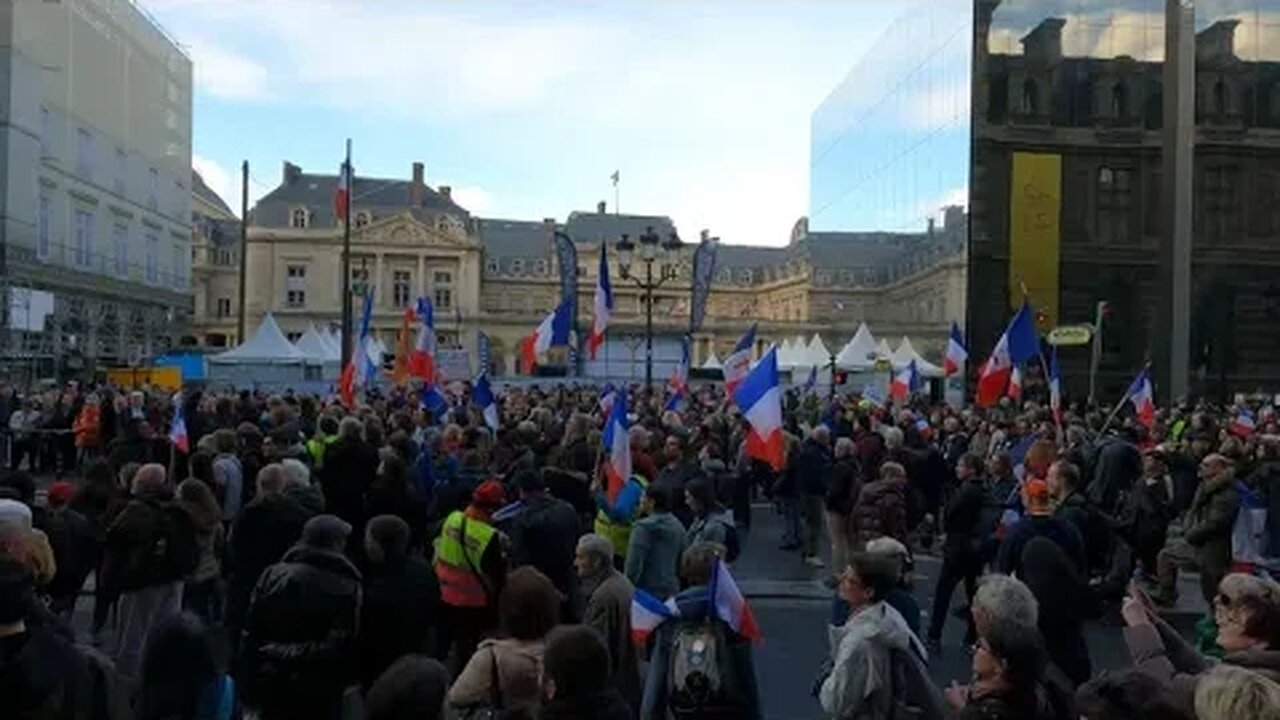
(859, 685)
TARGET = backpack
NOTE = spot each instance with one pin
(732, 544)
(174, 552)
(700, 680)
(915, 697)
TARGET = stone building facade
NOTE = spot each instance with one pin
(502, 276)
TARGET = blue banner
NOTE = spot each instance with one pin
(704, 269)
(483, 351)
(567, 257)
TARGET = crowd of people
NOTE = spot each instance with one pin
(281, 556)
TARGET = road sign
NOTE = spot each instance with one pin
(1070, 335)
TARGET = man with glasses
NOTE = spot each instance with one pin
(1206, 544)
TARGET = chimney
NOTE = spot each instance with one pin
(446, 191)
(417, 188)
(290, 174)
(1044, 42)
(600, 207)
(930, 230)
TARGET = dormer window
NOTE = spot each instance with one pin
(362, 219)
(540, 267)
(491, 266)
(300, 218)
(517, 266)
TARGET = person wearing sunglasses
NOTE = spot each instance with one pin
(1246, 611)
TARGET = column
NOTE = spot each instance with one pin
(376, 279)
(422, 275)
(1178, 156)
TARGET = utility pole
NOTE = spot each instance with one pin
(1176, 168)
(244, 248)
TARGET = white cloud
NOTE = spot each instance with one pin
(224, 74)
(476, 200)
(218, 178)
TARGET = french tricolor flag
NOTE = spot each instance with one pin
(905, 382)
(1143, 398)
(434, 399)
(647, 613)
(362, 368)
(731, 605)
(617, 448)
(1244, 425)
(1015, 384)
(482, 396)
(342, 196)
(738, 363)
(678, 383)
(553, 331)
(606, 400)
(603, 309)
(1018, 344)
(956, 353)
(178, 431)
(760, 399)
(422, 360)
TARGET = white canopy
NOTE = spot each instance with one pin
(268, 345)
(883, 350)
(860, 352)
(312, 344)
(906, 352)
(786, 354)
(332, 341)
(712, 363)
(817, 352)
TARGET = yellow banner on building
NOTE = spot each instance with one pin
(1035, 214)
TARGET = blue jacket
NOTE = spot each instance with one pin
(653, 554)
(742, 670)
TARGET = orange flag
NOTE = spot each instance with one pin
(404, 344)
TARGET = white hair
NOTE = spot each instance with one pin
(1006, 598)
(598, 547)
(296, 473)
(892, 437)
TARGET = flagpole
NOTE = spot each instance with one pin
(1116, 410)
(346, 260)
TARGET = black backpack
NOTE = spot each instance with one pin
(733, 545)
(700, 673)
(174, 552)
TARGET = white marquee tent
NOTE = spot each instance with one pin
(712, 363)
(266, 360)
(860, 352)
(906, 352)
(817, 352)
(313, 345)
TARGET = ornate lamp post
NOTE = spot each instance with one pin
(652, 249)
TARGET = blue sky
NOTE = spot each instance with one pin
(525, 109)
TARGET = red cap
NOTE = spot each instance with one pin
(60, 493)
(489, 496)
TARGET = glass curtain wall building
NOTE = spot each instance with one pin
(1067, 194)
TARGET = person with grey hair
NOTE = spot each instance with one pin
(1006, 598)
(606, 598)
(350, 470)
(298, 487)
(1233, 693)
(142, 563)
(299, 657)
(843, 486)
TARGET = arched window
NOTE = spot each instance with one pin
(1030, 97)
(1119, 101)
(300, 218)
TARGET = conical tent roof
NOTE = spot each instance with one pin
(906, 352)
(312, 344)
(712, 363)
(883, 350)
(268, 344)
(331, 343)
(817, 352)
(860, 352)
(785, 354)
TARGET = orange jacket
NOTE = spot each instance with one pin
(87, 427)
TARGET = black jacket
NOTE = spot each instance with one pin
(843, 485)
(404, 505)
(1056, 529)
(299, 650)
(964, 518)
(1092, 525)
(77, 550)
(1116, 466)
(545, 535)
(350, 467)
(400, 614)
(607, 704)
(1064, 598)
(811, 473)
(42, 676)
(264, 532)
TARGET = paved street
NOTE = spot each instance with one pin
(793, 609)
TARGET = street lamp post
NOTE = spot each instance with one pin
(652, 249)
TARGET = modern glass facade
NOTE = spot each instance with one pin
(890, 144)
(1067, 194)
